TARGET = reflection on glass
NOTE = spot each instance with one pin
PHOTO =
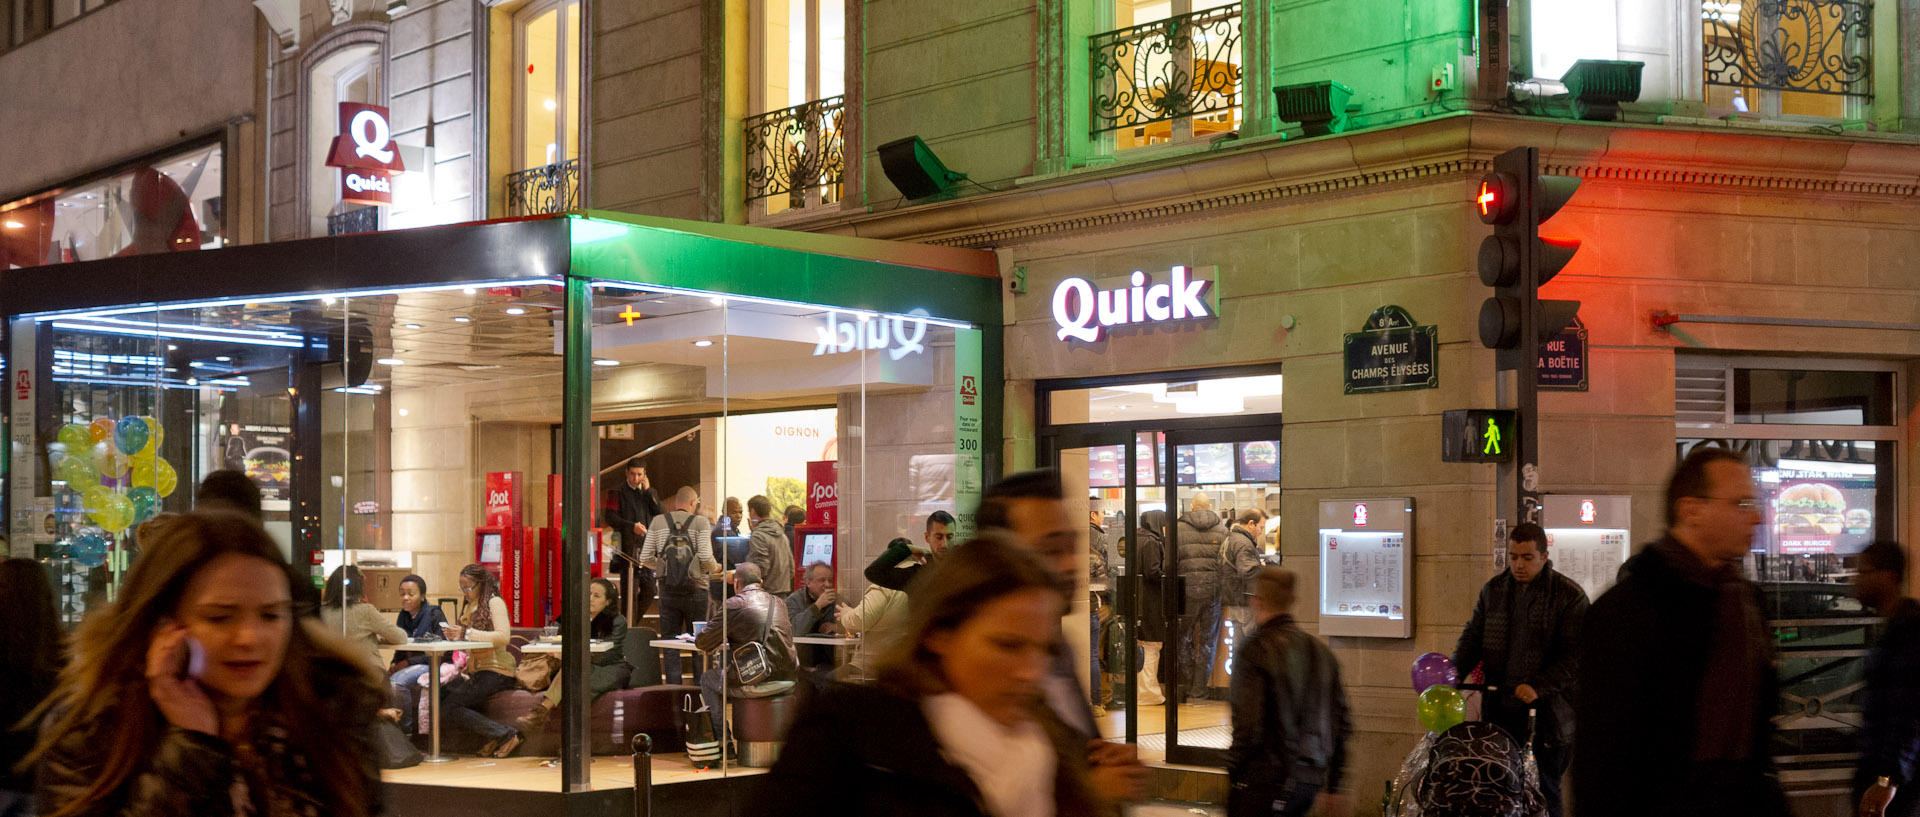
(170, 205)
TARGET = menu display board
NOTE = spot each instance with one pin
(1213, 463)
(1147, 452)
(1816, 507)
(1103, 466)
(1587, 537)
(1259, 461)
(1365, 567)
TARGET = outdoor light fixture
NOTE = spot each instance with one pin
(914, 170)
(605, 362)
(1599, 86)
(514, 310)
(391, 361)
(1319, 107)
(703, 343)
(461, 319)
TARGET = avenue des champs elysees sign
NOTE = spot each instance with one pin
(1392, 353)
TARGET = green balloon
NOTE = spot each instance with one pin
(75, 437)
(78, 473)
(1442, 708)
(146, 503)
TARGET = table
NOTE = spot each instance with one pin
(825, 640)
(434, 649)
(554, 647)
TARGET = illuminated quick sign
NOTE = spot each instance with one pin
(365, 153)
(1086, 313)
(1359, 514)
(1586, 511)
(897, 336)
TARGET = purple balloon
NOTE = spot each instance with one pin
(1434, 669)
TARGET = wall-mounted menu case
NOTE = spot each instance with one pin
(1366, 576)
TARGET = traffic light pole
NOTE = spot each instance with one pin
(1526, 449)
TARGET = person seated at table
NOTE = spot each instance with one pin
(608, 671)
(752, 616)
(490, 671)
(344, 611)
(880, 618)
(958, 723)
(812, 611)
(408, 669)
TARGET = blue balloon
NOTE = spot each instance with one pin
(90, 547)
(130, 434)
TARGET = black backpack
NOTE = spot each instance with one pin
(677, 554)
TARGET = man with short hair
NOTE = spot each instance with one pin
(1524, 632)
(1883, 784)
(630, 509)
(897, 566)
(752, 616)
(1290, 717)
(683, 577)
(811, 610)
(796, 515)
(1677, 684)
(230, 489)
(1031, 507)
(769, 548)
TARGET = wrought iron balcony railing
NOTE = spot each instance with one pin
(1809, 46)
(1168, 69)
(357, 220)
(553, 188)
(795, 151)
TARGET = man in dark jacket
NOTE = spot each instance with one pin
(1201, 537)
(632, 508)
(1677, 685)
(1290, 717)
(1525, 630)
(752, 616)
(769, 548)
(1883, 786)
(812, 610)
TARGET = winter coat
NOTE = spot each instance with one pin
(423, 627)
(1099, 558)
(1240, 563)
(1200, 535)
(1153, 572)
(752, 615)
(877, 748)
(770, 550)
(1642, 661)
(1290, 715)
(1548, 662)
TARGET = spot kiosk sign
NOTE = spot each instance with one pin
(365, 153)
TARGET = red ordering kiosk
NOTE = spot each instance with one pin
(526, 559)
(815, 540)
(550, 550)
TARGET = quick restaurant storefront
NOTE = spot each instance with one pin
(414, 401)
(1715, 310)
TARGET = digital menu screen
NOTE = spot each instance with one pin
(1103, 466)
(1144, 449)
(1184, 467)
(1259, 461)
(1817, 507)
(1213, 463)
(816, 547)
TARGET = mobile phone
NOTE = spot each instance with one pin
(194, 663)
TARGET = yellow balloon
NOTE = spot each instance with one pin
(78, 473)
(157, 474)
(109, 509)
(155, 434)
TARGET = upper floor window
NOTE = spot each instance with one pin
(23, 20)
(350, 75)
(794, 145)
(546, 150)
(1169, 71)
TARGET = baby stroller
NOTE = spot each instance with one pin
(1474, 769)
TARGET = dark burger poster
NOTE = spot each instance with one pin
(1820, 513)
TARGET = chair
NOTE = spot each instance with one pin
(642, 657)
(759, 726)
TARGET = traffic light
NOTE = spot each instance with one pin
(1477, 435)
(1516, 261)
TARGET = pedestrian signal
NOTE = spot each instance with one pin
(1477, 435)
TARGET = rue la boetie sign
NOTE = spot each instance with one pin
(1086, 310)
(365, 153)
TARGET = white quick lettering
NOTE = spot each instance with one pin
(368, 184)
(1084, 314)
(897, 336)
(377, 144)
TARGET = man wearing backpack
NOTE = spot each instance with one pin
(1290, 715)
(679, 548)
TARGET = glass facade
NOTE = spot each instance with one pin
(171, 204)
(488, 398)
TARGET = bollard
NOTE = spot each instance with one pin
(642, 775)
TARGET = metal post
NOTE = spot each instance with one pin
(642, 775)
(576, 484)
(1526, 454)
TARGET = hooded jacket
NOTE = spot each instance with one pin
(770, 550)
(1199, 535)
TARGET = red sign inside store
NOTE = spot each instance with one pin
(823, 493)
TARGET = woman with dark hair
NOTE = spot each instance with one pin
(200, 692)
(29, 666)
(609, 670)
(483, 617)
(957, 723)
(345, 612)
(421, 622)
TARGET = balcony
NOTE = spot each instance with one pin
(356, 220)
(553, 188)
(794, 155)
(1804, 46)
(1169, 79)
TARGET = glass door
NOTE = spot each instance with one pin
(1100, 622)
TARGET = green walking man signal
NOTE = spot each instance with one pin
(1477, 435)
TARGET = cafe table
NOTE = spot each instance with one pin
(435, 649)
(553, 647)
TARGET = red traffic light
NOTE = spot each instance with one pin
(1497, 198)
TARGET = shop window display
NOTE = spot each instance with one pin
(172, 204)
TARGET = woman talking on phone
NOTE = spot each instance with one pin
(201, 691)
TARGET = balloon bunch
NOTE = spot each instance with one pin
(125, 453)
(1441, 706)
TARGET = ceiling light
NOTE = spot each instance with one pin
(469, 290)
(411, 325)
(14, 225)
(550, 105)
(605, 362)
(403, 412)
(461, 319)
(391, 361)
(193, 381)
(224, 358)
(172, 348)
(703, 343)
(514, 310)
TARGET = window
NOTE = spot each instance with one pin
(545, 159)
(1168, 72)
(170, 204)
(349, 75)
(1798, 58)
(23, 20)
(794, 146)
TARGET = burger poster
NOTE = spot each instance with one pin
(1822, 515)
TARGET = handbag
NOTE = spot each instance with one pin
(536, 672)
(391, 749)
(751, 663)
